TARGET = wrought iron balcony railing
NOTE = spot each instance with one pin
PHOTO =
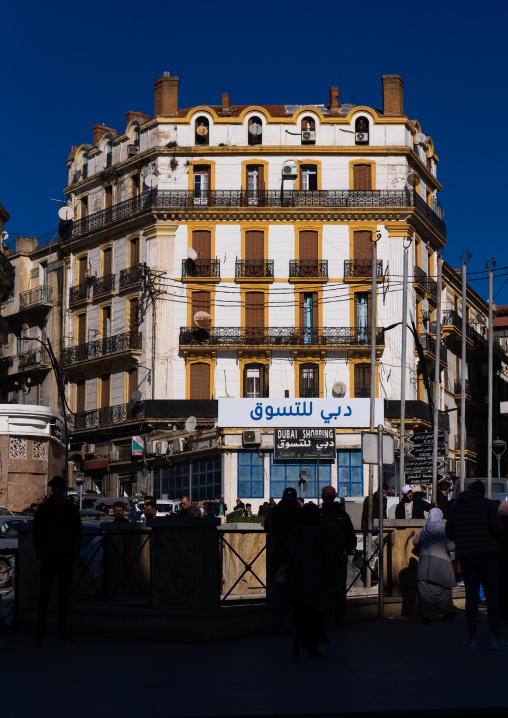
(308, 268)
(416, 411)
(200, 267)
(470, 444)
(33, 358)
(107, 416)
(452, 319)
(102, 347)
(280, 336)
(224, 199)
(254, 268)
(6, 267)
(79, 293)
(104, 285)
(361, 268)
(429, 344)
(457, 387)
(419, 276)
(131, 276)
(38, 295)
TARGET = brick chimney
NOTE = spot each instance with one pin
(166, 96)
(226, 102)
(393, 96)
(99, 130)
(132, 115)
(334, 99)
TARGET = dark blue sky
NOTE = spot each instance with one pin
(67, 66)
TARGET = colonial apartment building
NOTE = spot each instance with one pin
(224, 252)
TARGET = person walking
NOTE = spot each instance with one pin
(474, 525)
(410, 506)
(56, 535)
(435, 571)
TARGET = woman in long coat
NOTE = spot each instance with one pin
(435, 572)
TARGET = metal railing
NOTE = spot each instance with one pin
(33, 358)
(419, 276)
(362, 268)
(308, 268)
(131, 275)
(38, 295)
(279, 336)
(254, 268)
(200, 267)
(224, 199)
(429, 344)
(108, 416)
(452, 319)
(99, 348)
(470, 444)
(104, 285)
(79, 292)
(416, 410)
(457, 387)
(6, 266)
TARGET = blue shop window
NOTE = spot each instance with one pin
(250, 475)
(172, 482)
(349, 473)
(284, 475)
(207, 479)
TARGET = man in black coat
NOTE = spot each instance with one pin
(56, 535)
(443, 489)
(338, 524)
(411, 507)
(375, 508)
(474, 525)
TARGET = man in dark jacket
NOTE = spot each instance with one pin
(375, 508)
(443, 489)
(411, 507)
(56, 534)
(474, 525)
(338, 524)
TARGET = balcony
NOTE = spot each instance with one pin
(201, 268)
(419, 280)
(131, 276)
(184, 200)
(418, 413)
(6, 272)
(100, 348)
(452, 323)
(470, 444)
(35, 297)
(254, 268)
(457, 389)
(79, 293)
(108, 416)
(305, 268)
(34, 359)
(104, 285)
(361, 269)
(331, 337)
(428, 344)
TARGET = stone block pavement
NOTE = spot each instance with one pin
(394, 667)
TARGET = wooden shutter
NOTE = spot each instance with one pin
(107, 262)
(362, 245)
(362, 381)
(362, 177)
(135, 185)
(105, 390)
(81, 395)
(82, 263)
(255, 309)
(202, 243)
(200, 381)
(254, 245)
(82, 329)
(133, 383)
(134, 315)
(134, 256)
(308, 242)
(109, 196)
(200, 303)
(83, 208)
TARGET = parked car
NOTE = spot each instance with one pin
(4, 511)
(9, 526)
(165, 507)
(499, 488)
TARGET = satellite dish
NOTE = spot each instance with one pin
(5, 236)
(136, 396)
(191, 253)
(339, 389)
(202, 130)
(203, 320)
(255, 129)
(420, 139)
(151, 181)
(76, 167)
(412, 179)
(201, 336)
(190, 424)
(66, 213)
(480, 319)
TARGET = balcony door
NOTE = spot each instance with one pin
(134, 253)
(201, 184)
(362, 316)
(105, 390)
(199, 381)
(362, 381)
(81, 329)
(202, 245)
(308, 253)
(255, 381)
(362, 177)
(254, 254)
(309, 321)
(308, 177)
(81, 270)
(132, 382)
(254, 317)
(309, 381)
(134, 315)
(105, 326)
(200, 302)
(80, 395)
(255, 184)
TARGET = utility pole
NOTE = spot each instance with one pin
(380, 543)
(490, 266)
(436, 375)
(467, 256)
(403, 368)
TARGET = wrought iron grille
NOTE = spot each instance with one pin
(308, 268)
(200, 267)
(362, 268)
(109, 415)
(79, 293)
(431, 288)
(451, 318)
(429, 214)
(32, 358)
(416, 411)
(279, 336)
(38, 295)
(419, 276)
(104, 285)
(254, 268)
(470, 443)
(102, 347)
(132, 275)
(457, 387)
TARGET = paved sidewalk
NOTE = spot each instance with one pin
(397, 666)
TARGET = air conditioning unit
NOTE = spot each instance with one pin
(114, 455)
(396, 443)
(151, 447)
(181, 444)
(161, 447)
(90, 449)
(361, 136)
(289, 168)
(308, 136)
(251, 437)
(91, 273)
(132, 150)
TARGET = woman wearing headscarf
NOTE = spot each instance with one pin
(310, 575)
(502, 511)
(435, 572)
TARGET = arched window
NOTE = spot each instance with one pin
(362, 131)
(309, 381)
(255, 132)
(202, 131)
(308, 128)
(84, 167)
(255, 381)
(109, 153)
(135, 135)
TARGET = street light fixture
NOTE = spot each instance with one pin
(498, 448)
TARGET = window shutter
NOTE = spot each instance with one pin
(134, 257)
(362, 245)
(200, 381)
(315, 380)
(105, 390)
(202, 243)
(308, 245)
(315, 310)
(254, 245)
(132, 382)
(362, 177)
(134, 315)
(200, 303)
(109, 196)
(301, 312)
(261, 177)
(82, 270)
(254, 309)
(82, 329)
(362, 381)
(83, 208)
(107, 262)
(80, 395)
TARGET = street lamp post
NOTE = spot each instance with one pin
(498, 448)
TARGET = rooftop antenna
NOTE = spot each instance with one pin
(342, 79)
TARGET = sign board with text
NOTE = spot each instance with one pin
(426, 437)
(425, 452)
(424, 478)
(138, 445)
(421, 464)
(297, 444)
